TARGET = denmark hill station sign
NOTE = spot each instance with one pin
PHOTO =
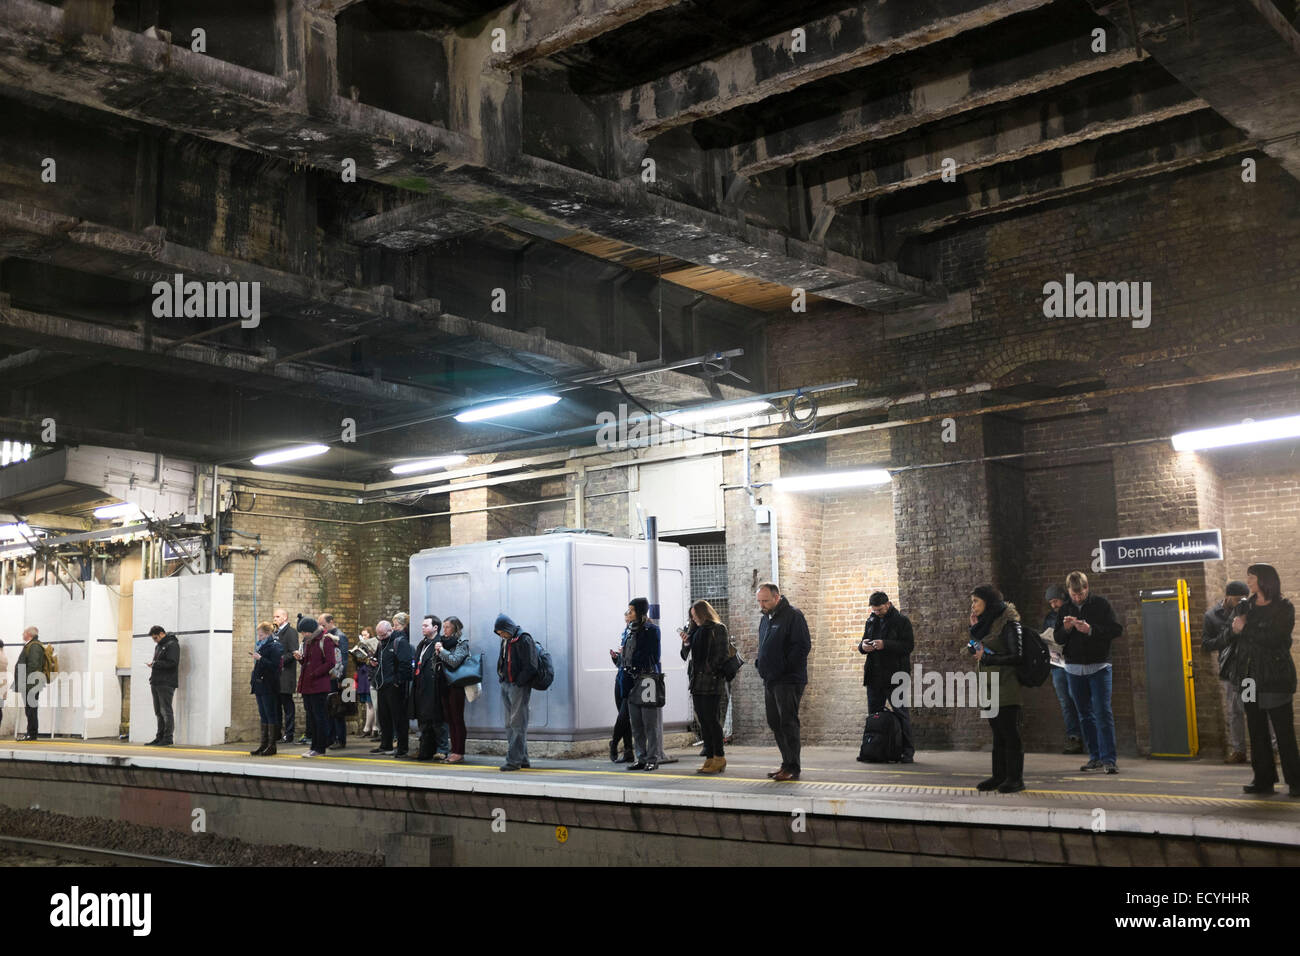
(1180, 547)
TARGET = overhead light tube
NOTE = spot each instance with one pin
(428, 464)
(840, 479)
(289, 454)
(1244, 433)
(512, 407)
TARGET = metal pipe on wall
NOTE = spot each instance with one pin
(652, 543)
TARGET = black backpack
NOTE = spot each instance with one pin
(882, 738)
(544, 666)
(1035, 661)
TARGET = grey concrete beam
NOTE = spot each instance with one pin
(562, 201)
(128, 347)
(1127, 101)
(1197, 139)
(539, 28)
(856, 37)
(148, 258)
(1240, 56)
(155, 82)
(943, 90)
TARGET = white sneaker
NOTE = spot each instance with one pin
(311, 753)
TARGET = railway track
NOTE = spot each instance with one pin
(48, 850)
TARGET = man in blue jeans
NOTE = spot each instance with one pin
(1088, 625)
(1056, 598)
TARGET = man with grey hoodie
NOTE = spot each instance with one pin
(516, 668)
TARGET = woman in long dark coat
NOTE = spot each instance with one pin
(427, 688)
(1265, 676)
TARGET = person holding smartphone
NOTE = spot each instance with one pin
(1088, 626)
(623, 723)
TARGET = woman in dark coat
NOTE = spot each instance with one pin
(427, 697)
(704, 648)
(267, 656)
(1265, 673)
(317, 657)
(452, 651)
(997, 644)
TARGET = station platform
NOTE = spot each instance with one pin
(1154, 812)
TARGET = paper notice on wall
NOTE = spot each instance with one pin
(1053, 648)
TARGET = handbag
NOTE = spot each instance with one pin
(469, 672)
(647, 691)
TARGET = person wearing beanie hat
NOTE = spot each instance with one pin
(887, 642)
(317, 657)
(997, 642)
(1056, 596)
(1215, 637)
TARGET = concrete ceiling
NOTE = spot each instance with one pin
(637, 178)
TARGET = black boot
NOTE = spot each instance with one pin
(999, 771)
(266, 730)
(1015, 767)
(271, 739)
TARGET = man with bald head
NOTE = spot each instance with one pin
(288, 638)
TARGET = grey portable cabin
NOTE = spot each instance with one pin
(569, 591)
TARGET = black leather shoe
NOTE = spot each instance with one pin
(1258, 788)
(651, 766)
(1012, 786)
(639, 765)
(381, 750)
(152, 743)
(613, 752)
(992, 783)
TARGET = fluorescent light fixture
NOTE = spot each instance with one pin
(512, 407)
(117, 511)
(717, 412)
(1245, 433)
(428, 464)
(290, 454)
(834, 479)
(14, 532)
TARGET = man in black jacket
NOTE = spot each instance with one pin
(288, 638)
(1088, 625)
(164, 677)
(392, 675)
(1214, 637)
(783, 646)
(887, 641)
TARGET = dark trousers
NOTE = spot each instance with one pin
(286, 705)
(318, 721)
(706, 712)
(33, 725)
(782, 704)
(453, 707)
(1008, 748)
(309, 718)
(623, 728)
(338, 725)
(393, 719)
(428, 739)
(1261, 748)
(268, 708)
(162, 711)
(876, 699)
